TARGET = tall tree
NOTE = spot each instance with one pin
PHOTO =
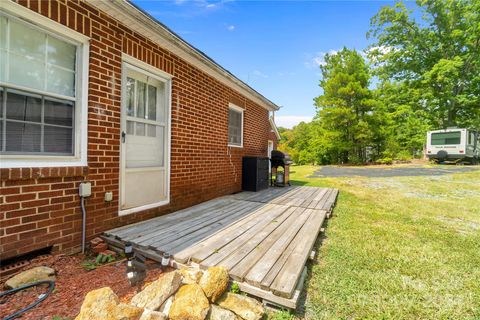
(437, 57)
(345, 108)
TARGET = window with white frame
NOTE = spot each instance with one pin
(39, 91)
(235, 126)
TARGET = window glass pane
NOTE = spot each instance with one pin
(26, 71)
(60, 81)
(234, 127)
(130, 127)
(23, 137)
(58, 112)
(140, 129)
(446, 138)
(152, 103)
(3, 46)
(1, 135)
(3, 64)
(141, 92)
(61, 53)
(152, 130)
(23, 107)
(3, 32)
(130, 97)
(57, 140)
(1, 103)
(26, 41)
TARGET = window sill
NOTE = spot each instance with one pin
(45, 172)
(235, 146)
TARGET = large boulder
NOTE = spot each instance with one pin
(190, 303)
(214, 282)
(218, 313)
(155, 294)
(31, 275)
(191, 275)
(103, 304)
(243, 306)
(153, 315)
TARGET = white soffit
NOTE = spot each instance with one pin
(140, 22)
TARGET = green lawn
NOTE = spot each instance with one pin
(397, 248)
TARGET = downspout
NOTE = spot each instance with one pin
(84, 190)
(84, 218)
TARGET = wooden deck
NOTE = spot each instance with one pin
(263, 238)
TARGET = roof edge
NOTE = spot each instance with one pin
(142, 22)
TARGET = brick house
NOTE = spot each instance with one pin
(99, 91)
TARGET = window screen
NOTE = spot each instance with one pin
(37, 101)
(235, 123)
(446, 138)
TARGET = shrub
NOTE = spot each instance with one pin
(386, 160)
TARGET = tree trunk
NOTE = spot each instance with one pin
(451, 117)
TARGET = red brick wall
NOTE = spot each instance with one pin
(273, 137)
(39, 207)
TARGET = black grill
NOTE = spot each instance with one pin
(279, 159)
(282, 160)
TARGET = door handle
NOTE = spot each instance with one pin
(123, 136)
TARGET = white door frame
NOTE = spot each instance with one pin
(140, 66)
(269, 153)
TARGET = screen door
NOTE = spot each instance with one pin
(144, 139)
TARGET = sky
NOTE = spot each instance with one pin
(276, 47)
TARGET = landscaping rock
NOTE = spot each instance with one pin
(103, 304)
(190, 303)
(214, 282)
(191, 275)
(165, 308)
(29, 276)
(243, 306)
(155, 294)
(153, 315)
(218, 313)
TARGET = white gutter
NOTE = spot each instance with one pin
(141, 22)
(274, 127)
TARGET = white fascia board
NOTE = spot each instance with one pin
(140, 22)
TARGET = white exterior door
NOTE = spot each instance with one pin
(144, 140)
(270, 148)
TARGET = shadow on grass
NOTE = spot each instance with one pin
(298, 182)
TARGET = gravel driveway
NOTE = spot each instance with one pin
(374, 172)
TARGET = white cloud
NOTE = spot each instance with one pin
(373, 52)
(258, 73)
(319, 59)
(211, 6)
(290, 121)
(231, 27)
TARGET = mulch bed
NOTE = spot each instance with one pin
(72, 283)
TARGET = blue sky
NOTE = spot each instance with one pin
(274, 46)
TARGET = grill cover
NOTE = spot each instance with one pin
(279, 158)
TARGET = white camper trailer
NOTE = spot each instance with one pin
(454, 145)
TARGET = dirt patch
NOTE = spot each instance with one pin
(73, 282)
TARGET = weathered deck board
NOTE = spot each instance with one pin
(286, 280)
(263, 238)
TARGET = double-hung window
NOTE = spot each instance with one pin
(40, 93)
(235, 126)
